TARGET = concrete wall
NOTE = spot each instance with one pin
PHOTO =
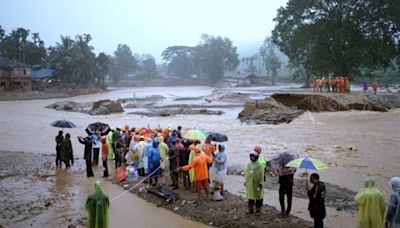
(18, 79)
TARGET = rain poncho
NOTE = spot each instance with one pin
(163, 147)
(262, 161)
(192, 175)
(110, 142)
(199, 165)
(393, 209)
(218, 170)
(254, 177)
(139, 151)
(97, 205)
(154, 159)
(145, 159)
(371, 206)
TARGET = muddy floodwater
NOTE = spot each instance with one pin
(355, 144)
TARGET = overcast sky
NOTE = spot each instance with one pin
(147, 26)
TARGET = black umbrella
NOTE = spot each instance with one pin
(98, 127)
(63, 124)
(217, 137)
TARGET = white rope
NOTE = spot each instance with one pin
(140, 182)
(136, 185)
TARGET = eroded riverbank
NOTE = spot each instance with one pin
(355, 144)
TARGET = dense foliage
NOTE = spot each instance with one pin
(338, 36)
(209, 59)
(18, 46)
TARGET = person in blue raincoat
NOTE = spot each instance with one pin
(154, 160)
(392, 219)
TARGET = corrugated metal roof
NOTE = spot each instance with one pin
(42, 73)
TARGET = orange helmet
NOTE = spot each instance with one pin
(257, 149)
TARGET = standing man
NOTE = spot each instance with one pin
(66, 150)
(286, 188)
(87, 154)
(392, 219)
(154, 160)
(317, 200)
(371, 206)
(254, 182)
(173, 164)
(179, 132)
(59, 140)
(96, 148)
(375, 86)
(97, 205)
(199, 164)
(163, 148)
(104, 153)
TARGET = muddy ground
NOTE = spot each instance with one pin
(29, 189)
(32, 189)
(230, 212)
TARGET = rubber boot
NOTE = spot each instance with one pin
(217, 196)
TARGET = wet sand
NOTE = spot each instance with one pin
(355, 144)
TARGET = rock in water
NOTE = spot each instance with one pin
(104, 107)
(268, 111)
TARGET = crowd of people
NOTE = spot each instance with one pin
(340, 84)
(195, 165)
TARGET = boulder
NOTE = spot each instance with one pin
(70, 106)
(268, 111)
(104, 107)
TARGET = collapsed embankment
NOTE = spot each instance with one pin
(284, 107)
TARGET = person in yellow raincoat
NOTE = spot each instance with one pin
(254, 182)
(97, 205)
(192, 175)
(371, 206)
(110, 142)
(163, 148)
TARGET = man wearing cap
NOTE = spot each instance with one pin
(254, 182)
(199, 164)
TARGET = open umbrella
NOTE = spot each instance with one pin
(63, 124)
(195, 134)
(98, 127)
(217, 137)
(279, 161)
(307, 163)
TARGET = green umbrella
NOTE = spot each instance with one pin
(195, 134)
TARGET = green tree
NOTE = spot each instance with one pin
(17, 46)
(180, 60)
(122, 64)
(102, 64)
(74, 60)
(149, 67)
(338, 36)
(271, 61)
(214, 55)
(251, 67)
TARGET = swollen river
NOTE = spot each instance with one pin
(355, 144)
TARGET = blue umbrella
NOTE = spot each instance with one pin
(307, 163)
